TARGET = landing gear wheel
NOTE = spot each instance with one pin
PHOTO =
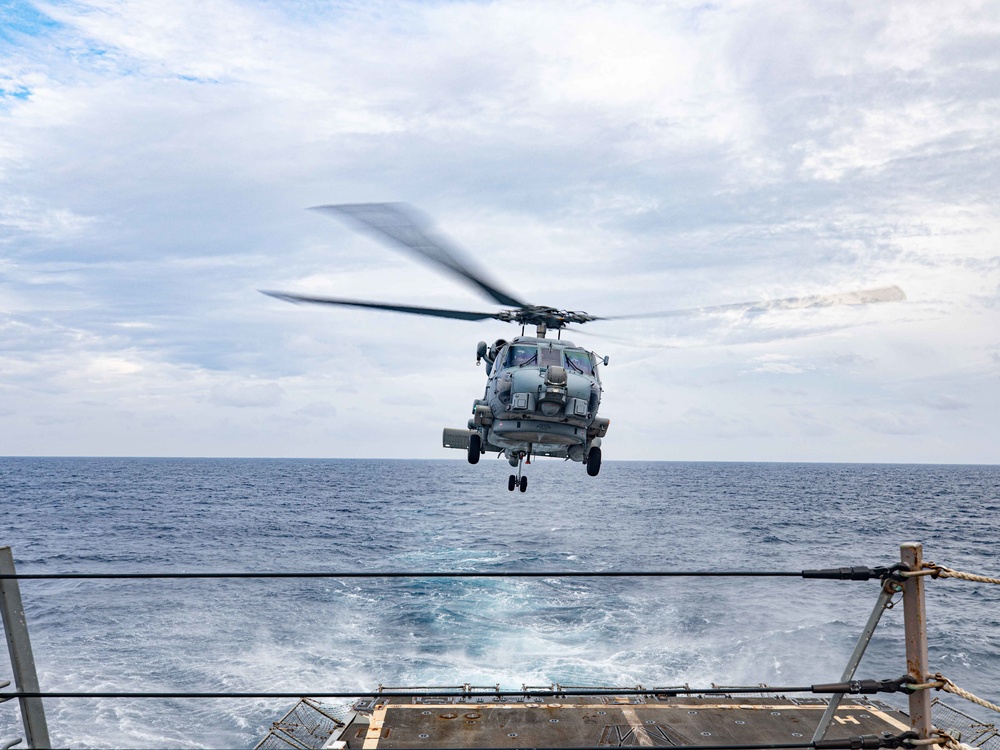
(594, 462)
(517, 481)
(475, 448)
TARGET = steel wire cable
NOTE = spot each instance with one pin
(405, 694)
(857, 573)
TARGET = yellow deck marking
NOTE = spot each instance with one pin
(375, 727)
(637, 728)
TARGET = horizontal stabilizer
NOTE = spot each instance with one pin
(456, 438)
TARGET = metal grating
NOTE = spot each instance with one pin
(629, 736)
(973, 732)
(306, 727)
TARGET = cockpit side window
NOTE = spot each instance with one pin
(520, 355)
(579, 361)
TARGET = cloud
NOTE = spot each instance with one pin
(244, 395)
(887, 423)
(318, 409)
(25, 215)
(157, 157)
(947, 402)
(777, 364)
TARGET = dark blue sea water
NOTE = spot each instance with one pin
(155, 515)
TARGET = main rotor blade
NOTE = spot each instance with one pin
(635, 343)
(861, 297)
(411, 309)
(400, 224)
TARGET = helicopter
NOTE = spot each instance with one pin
(542, 394)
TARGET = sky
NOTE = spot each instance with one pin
(613, 157)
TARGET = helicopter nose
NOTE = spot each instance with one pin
(553, 394)
(550, 408)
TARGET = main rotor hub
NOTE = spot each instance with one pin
(544, 317)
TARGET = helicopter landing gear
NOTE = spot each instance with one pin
(593, 462)
(517, 481)
(475, 448)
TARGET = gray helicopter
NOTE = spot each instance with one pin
(542, 394)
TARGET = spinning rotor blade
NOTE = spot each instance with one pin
(861, 297)
(433, 311)
(400, 224)
(635, 343)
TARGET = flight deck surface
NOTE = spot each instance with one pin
(607, 721)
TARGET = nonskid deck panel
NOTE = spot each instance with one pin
(607, 721)
(652, 720)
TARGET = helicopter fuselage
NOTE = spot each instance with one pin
(541, 399)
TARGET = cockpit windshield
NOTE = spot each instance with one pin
(529, 355)
(520, 355)
(579, 361)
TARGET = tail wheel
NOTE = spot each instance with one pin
(511, 483)
(475, 448)
(594, 462)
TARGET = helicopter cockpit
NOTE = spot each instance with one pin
(526, 355)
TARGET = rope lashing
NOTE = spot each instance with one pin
(940, 682)
(940, 571)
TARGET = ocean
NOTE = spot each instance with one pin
(213, 515)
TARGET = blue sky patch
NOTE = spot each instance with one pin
(19, 18)
(198, 79)
(15, 92)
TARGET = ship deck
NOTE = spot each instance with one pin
(652, 720)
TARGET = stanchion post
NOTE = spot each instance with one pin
(911, 554)
(21, 660)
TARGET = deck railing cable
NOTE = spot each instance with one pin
(856, 687)
(855, 573)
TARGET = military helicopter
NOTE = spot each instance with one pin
(542, 395)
